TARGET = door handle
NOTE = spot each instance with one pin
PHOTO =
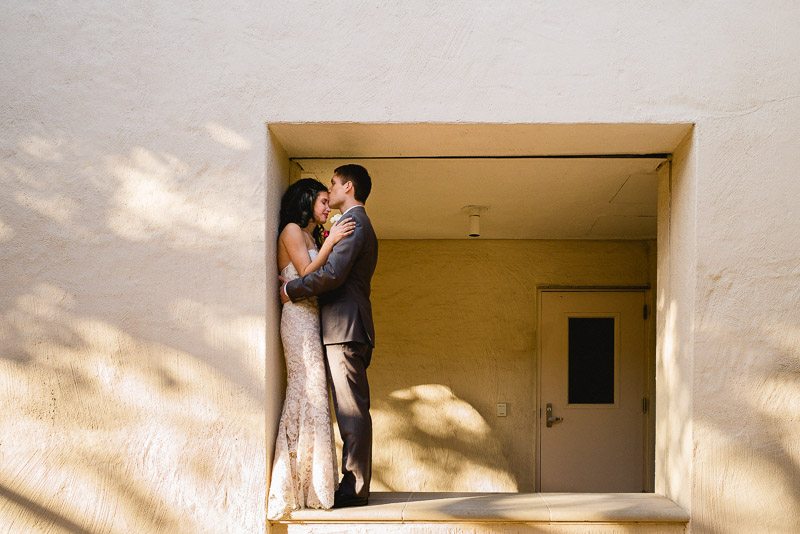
(549, 416)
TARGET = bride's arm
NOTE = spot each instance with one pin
(340, 230)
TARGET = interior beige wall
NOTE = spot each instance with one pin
(278, 177)
(456, 333)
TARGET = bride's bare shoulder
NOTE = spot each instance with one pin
(291, 232)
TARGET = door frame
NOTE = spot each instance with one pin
(648, 456)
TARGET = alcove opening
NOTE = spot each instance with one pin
(583, 192)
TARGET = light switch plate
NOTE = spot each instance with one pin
(502, 409)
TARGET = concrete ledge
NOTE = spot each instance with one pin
(614, 507)
(502, 508)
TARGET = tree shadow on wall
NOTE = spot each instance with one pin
(752, 431)
(41, 512)
(131, 337)
(427, 439)
(743, 425)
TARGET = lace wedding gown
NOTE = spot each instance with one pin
(304, 470)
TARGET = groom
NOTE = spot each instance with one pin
(343, 287)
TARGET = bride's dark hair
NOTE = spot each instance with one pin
(297, 206)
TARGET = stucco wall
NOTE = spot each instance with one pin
(675, 324)
(456, 326)
(132, 266)
(746, 390)
(132, 220)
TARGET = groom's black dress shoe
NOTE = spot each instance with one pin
(346, 501)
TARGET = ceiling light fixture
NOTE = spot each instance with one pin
(474, 213)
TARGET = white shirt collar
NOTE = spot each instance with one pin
(351, 207)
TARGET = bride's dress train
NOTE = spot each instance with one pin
(304, 471)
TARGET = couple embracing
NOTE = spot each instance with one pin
(328, 337)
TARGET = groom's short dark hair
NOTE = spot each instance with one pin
(359, 177)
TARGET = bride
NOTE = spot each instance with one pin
(304, 473)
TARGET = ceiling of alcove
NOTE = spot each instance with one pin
(528, 198)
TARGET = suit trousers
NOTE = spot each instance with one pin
(347, 373)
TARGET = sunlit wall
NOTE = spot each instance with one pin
(132, 274)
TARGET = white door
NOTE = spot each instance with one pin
(592, 390)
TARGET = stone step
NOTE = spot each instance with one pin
(496, 513)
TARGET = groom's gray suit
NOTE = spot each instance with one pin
(343, 287)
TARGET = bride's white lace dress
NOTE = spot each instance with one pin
(304, 470)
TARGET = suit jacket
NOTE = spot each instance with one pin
(343, 285)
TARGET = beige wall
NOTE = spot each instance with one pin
(278, 177)
(456, 333)
(675, 321)
(132, 276)
(746, 388)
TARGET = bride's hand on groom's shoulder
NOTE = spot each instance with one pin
(341, 229)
